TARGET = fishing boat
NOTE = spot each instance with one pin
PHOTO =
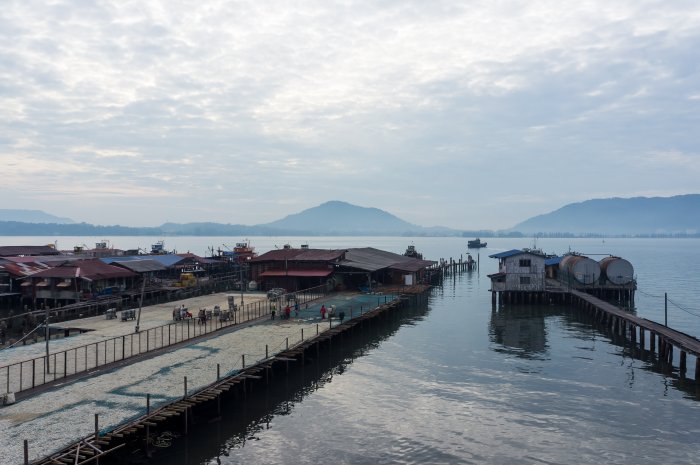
(476, 244)
(413, 253)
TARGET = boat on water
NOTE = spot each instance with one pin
(475, 244)
(412, 252)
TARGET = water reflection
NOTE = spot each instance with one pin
(519, 331)
(244, 421)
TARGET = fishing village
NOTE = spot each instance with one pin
(107, 355)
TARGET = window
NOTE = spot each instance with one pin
(525, 279)
(524, 263)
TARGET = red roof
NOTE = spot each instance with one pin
(297, 273)
(94, 269)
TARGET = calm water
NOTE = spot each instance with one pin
(459, 382)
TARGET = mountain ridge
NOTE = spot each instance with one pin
(678, 214)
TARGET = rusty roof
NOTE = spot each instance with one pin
(22, 269)
(15, 250)
(93, 269)
(300, 255)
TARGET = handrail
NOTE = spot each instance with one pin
(30, 373)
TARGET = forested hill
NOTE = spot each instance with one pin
(618, 216)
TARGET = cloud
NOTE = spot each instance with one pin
(243, 99)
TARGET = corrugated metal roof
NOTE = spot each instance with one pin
(167, 260)
(297, 273)
(13, 250)
(552, 261)
(140, 266)
(371, 259)
(23, 269)
(46, 259)
(508, 253)
(299, 255)
(91, 269)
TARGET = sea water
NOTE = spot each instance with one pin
(459, 381)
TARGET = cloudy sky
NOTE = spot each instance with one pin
(468, 114)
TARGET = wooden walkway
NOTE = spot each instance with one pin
(661, 338)
(142, 433)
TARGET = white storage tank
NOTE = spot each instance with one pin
(617, 270)
(581, 268)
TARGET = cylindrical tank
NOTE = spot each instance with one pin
(582, 269)
(617, 270)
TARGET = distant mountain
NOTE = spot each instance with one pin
(330, 218)
(636, 216)
(335, 217)
(32, 216)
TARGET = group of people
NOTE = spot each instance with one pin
(331, 313)
(181, 313)
(287, 311)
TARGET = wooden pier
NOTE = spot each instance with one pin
(139, 434)
(650, 335)
(444, 268)
(661, 339)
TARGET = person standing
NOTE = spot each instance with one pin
(296, 309)
(323, 312)
(273, 310)
(287, 312)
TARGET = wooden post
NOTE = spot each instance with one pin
(652, 342)
(148, 404)
(97, 425)
(26, 452)
(243, 360)
(185, 382)
(683, 367)
(218, 371)
(287, 343)
(186, 425)
(266, 355)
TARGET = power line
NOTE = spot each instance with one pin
(684, 309)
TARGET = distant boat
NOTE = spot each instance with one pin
(413, 253)
(476, 244)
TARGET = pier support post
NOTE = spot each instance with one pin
(683, 367)
(26, 452)
(697, 368)
(652, 342)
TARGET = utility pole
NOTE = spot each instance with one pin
(240, 269)
(47, 335)
(138, 318)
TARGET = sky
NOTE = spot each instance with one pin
(466, 114)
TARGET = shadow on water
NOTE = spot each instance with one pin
(242, 420)
(521, 330)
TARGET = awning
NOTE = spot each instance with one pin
(26, 283)
(43, 284)
(64, 284)
(297, 273)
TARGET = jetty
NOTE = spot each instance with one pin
(179, 416)
(528, 276)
